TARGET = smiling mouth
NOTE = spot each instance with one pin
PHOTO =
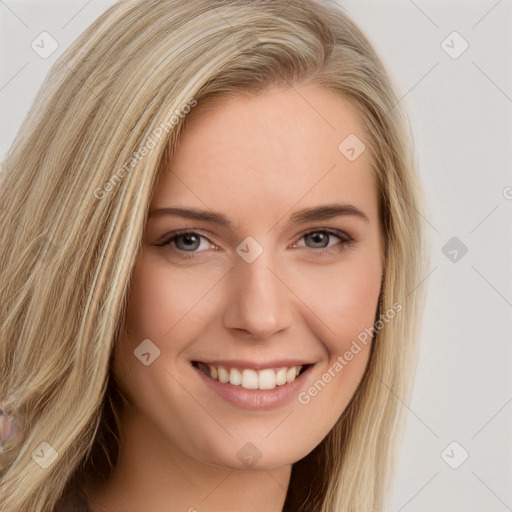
(248, 378)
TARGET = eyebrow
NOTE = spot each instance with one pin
(323, 212)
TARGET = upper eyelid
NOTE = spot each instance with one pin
(340, 233)
(165, 239)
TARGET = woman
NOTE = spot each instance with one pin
(211, 252)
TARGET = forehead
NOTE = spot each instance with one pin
(279, 148)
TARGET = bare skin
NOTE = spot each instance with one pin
(257, 161)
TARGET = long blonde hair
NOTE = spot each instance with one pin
(75, 190)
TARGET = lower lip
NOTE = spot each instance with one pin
(256, 399)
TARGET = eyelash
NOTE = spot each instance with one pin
(345, 241)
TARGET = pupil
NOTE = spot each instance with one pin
(188, 241)
(319, 239)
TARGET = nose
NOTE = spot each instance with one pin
(258, 301)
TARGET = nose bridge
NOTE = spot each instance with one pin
(258, 302)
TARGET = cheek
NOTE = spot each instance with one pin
(355, 298)
(346, 302)
(162, 300)
(344, 297)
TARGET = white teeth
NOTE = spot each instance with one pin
(223, 374)
(281, 376)
(235, 377)
(291, 373)
(267, 379)
(251, 379)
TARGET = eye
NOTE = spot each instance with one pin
(326, 239)
(185, 241)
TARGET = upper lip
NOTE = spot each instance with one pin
(252, 365)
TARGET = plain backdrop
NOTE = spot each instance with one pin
(451, 63)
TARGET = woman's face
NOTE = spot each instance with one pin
(279, 273)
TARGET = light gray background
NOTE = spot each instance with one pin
(461, 115)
